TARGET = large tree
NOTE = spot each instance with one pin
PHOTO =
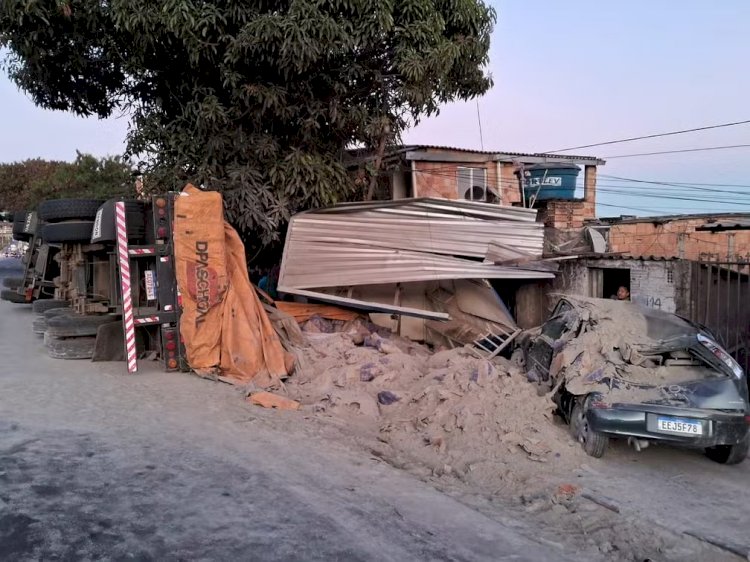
(257, 98)
(24, 184)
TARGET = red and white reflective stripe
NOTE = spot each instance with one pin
(147, 320)
(141, 251)
(127, 296)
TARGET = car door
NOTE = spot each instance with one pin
(543, 349)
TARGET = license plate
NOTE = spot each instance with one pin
(678, 425)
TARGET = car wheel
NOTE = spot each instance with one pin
(75, 325)
(63, 232)
(12, 282)
(55, 210)
(69, 348)
(593, 442)
(730, 454)
(41, 306)
(11, 295)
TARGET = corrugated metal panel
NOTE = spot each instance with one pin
(616, 256)
(320, 264)
(467, 237)
(405, 241)
(408, 148)
(728, 224)
(434, 208)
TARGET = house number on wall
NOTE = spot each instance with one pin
(653, 302)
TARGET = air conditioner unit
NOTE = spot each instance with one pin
(476, 193)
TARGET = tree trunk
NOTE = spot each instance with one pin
(378, 162)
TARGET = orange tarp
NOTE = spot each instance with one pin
(303, 311)
(223, 324)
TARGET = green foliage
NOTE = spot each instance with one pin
(257, 98)
(24, 184)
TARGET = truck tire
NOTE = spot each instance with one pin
(75, 325)
(69, 348)
(39, 325)
(12, 282)
(54, 312)
(104, 225)
(68, 232)
(56, 210)
(11, 295)
(43, 305)
(19, 226)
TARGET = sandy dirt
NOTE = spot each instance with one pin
(480, 431)
(96, 464)
(164, 466)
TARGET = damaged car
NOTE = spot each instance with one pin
(618, 370)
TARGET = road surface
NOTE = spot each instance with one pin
(97, 464)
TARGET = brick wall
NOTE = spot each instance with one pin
(678, 239)
(570, 215)
(439, 179)
(566, 215)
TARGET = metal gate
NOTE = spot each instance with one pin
(720, 301)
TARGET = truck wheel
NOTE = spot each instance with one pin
(69, 348)
(593, 442)
(72, 232)
(12, 296)
(19, 226)
(104, 226)
(39, 325)
(52, 312)
(56, 210)
(12, 282)
(41, 306)
(75, 325)
(730, 454)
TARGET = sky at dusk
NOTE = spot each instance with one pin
(566, 74)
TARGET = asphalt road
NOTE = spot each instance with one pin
(98, 464)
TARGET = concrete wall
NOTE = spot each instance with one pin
(678, 239)
(664, 285)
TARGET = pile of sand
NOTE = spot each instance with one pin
(451, 412)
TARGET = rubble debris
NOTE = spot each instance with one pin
(270, 400)
(386, 398)
(453, 408)
(304, 311)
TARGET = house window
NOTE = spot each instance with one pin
(605, 282)
(472, 184)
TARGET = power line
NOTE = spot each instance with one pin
(677, 151)
(631, 139)
(676, 183)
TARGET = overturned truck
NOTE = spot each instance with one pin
(104, 278)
